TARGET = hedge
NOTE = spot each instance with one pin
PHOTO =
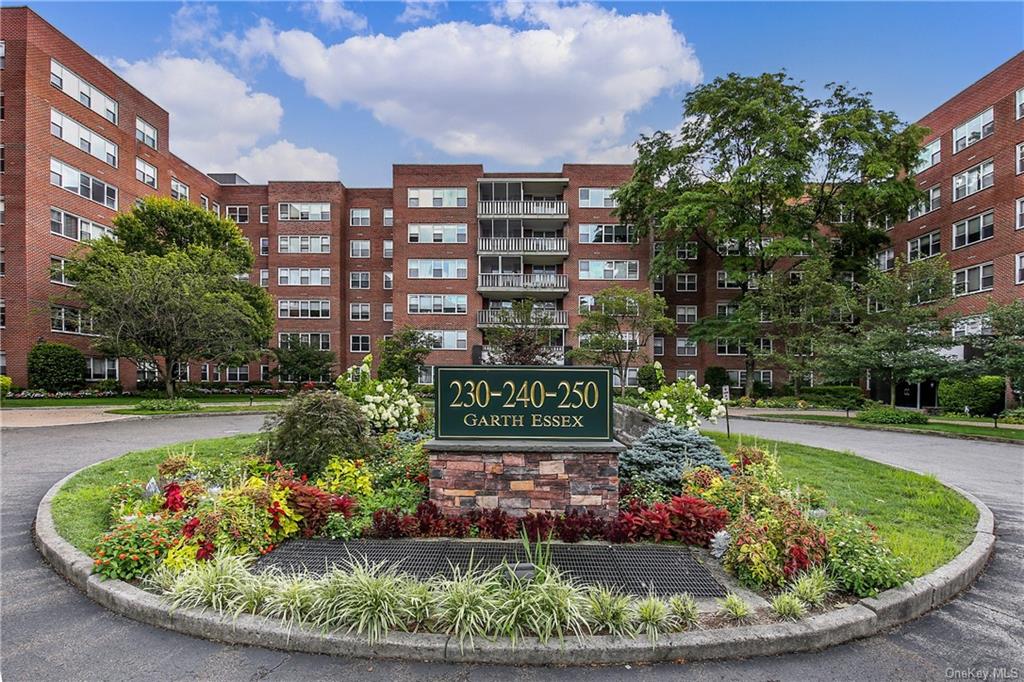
(983, 395)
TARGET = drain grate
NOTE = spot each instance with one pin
(636, 569)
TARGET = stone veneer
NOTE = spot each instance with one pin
(523, 476)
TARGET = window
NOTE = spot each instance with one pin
(69, 320)
(724, 310)
(3, 354)
(295, 243)
(359, 217)
(686, 281)
(145, 133)
(659, 283)
(930, 155)
(925, 246)
(586, 303)
(437, 234)
(597, 197)
(240, 214)
(1, 106)
(437, 304)
(3, 161)
(57, 275)
(429, 197)
(688, 251)
(388, 312)
(304, 211)
(3, 209)
(317, 340)
(448, 339)
(73, 180)
(737, 377)
(728, 347)
(179, 190)
(606, 234)
(389, 280)
(100, 369)
(685, 348)
(764, 345)
(359, 343)
(264, 278)
(238, 374)
(1020, 158)
(358, 280)
(314, 277)
(425, 375)
(723, 281)
(931, 202)
(686, 375)
(74, 133)
(264, 246)
(686, 314)
(64, 224)
(389, 248)
(3, 313)
(3, 262)
(886, 259)
(975, 325)
(204, 201)
(1020, 214)
(1019, 268)
(71, 84)
(389, 217)
(975, 130)
(729, 247)
(359, 312)
(437, 268)
(1020, 103)
(659, 346)
(291, 308)
(973, 180)
(631, 377)
(609, 269)
(973, 230)
(3, 63)
(264, 214)
(359, 248)
(973, 279)
(216, 208)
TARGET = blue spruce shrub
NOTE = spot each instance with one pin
(665, 452)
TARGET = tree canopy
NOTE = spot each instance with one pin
(522, 336)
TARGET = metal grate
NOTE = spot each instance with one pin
(636, 569)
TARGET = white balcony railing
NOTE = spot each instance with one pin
(538, 316)
(554, 209)
(515, 280)
(546, 245)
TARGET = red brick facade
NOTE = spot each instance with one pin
(550, 208)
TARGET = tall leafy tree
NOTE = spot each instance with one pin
(522, 336)
(618, 327)
(167, 291)
(760, 172)
(402, 354)
(298, 362)
(899, 333)
(1002, 344)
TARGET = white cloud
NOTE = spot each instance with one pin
(217, 120)
(335, 14)
(282, 160)
(416, 11)
(194, 23)
(561, 86)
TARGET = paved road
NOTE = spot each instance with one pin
(51, 631)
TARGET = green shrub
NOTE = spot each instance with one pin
(838, 397)
(684, 611)
(1014, 416)
(813, 586)
(665, 452)
(55, 367)
(983, 395)
(716, 377)
(788, 606)
(611, 611)
(5, 385)
(653, 617)
(857, 559)
(733, 608)
(650, 377)
(107, 386)
(310, 428)
(168, 405)
(890, 415)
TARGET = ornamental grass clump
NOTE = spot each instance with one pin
(684, 611)
(291, 599)
(465, 604)
(653, 617)
(366, 598)
(812, 587)
(213, 584)
(611, 611)
(546, 606)
(787, 606)
(733, 608)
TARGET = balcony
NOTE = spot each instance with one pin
(554, 319)
(557, 354)
(511, 284)
(556, 247)
(522, 209)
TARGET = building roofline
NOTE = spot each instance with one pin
(976, 82)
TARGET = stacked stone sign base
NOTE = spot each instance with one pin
(525, 476)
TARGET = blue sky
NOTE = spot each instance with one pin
(312, 90)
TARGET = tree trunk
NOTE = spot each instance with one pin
(892, 389)
(1009, 397)
(748, 384)
(169, 383)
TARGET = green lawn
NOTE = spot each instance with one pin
(80, 508)
(919, 518)
(126, 400)
(263, 407)
(935, 427)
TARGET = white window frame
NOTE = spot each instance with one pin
(61, 170)
(930, 155)
(932, 202)
(388, 249)
(359, 312)
(1019, 159)
(934, 241)
(686, 282)
(1019, 268)
(658, 346)
(722, 281)
(237, 212)
(388, 280)
(685, 348)
(686, 314)
(977, 126)
(321, 275)
(631, 270)
(438, 233)
(597, 197)
(425, 372)
(304, 211)
(964, 274)
(982, 171)
(323, 339)
(606, 233)
(460, 266)
(146, 173)
(1019, 220)
(1019, 104)
(82, 91)
(437, 304)
(104, 372)
(57, 267)
(264, 214)
(437, 197)
(304, 309)
(388, 217)
(388, 312)
(95, 230)
(146, 134)
(357, 341)
(962, 227)
(359, 217)
(686, 375)
(179, 190)
(359, 248)
(459, 338)
(688, 251)
(303, 243)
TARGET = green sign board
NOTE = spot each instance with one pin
(515, 403)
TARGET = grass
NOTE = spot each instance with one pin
(919, 518)
(80, 508)
(126, 400)
(934, 427)
(205, 410)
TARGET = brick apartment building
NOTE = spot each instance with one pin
(439, 250)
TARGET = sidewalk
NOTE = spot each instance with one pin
(766, 411)
(27, 417)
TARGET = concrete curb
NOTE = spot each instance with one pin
(877, 427)
(863, 619)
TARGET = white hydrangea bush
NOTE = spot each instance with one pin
(683, 403)
(387, 404)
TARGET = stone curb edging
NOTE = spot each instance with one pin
(879, 427)
(865, 618)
